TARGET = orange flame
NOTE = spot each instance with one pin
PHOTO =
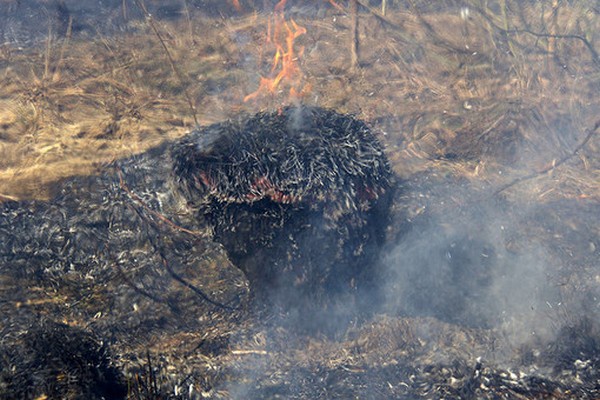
(279, 6)
(336, 5)
(236, 5)
(284, 67)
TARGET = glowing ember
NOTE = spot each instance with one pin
(284, 68)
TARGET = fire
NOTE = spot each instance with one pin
(236, 5)
(284, 68)
(335, 4)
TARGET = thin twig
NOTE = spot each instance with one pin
(383, 18)
(56, 73)
(504, 11)
(48, 50)
(378, 14)
(436, 38)
(158, 215)
(594, 53)
(250, 351)
(152, 376)
(554, 165)
(171, 224)
(354, 34)
(5, 197)
(188, 17)
(150, 20)
(590, 47)
(193, 288)
(554, 27)
(141, 291)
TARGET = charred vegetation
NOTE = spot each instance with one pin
(300, 200)
(53, 360)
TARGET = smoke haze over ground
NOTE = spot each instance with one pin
(458, 266)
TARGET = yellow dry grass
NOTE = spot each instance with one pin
(473, 96)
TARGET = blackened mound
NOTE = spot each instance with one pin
(299, 198)
(52, 360)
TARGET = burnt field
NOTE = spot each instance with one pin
(301, 199)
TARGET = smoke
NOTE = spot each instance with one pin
(519, 264)
(457, 267)
(471, 266)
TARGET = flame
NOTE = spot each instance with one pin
(236, 5)
(284, 67)
(335, 4)
(279, 6)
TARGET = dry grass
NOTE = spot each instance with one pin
(482, 91)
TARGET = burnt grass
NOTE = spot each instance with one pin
(299, 199)
(425, 225)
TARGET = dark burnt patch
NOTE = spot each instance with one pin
(53, 360)
(300, 200)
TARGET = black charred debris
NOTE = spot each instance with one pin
(52, 360)
(299, 199)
